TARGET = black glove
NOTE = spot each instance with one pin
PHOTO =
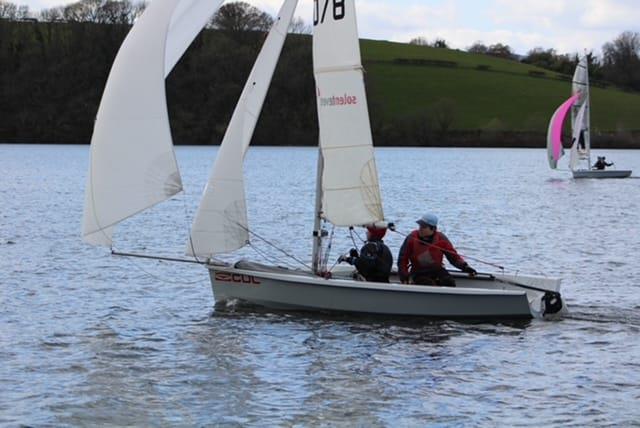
(468, 269)
(345, 259)
(353, 252)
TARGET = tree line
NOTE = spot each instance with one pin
(53, 71)
(53, 67)
(619, 64)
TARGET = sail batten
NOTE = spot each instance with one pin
(221, 223)
(350, 189)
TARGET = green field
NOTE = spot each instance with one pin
(502, 96)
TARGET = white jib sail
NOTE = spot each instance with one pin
(220, 224)
(132, 165)
(580, 83)
(574, 156)
(351, 194)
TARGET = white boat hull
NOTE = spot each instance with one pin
(601, 173)
(483, 297)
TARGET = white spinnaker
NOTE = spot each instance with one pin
(350, 190)
(574, 156)
(580, 83)
(189, 17)
(132, 166)
(220, 225)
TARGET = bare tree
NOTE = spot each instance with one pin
(11, 11)
(420, 41)
(501, 51)
(97, 11)
(51, 15)
(621, 60)
(441, 43)
(478, 48)
(298, 26)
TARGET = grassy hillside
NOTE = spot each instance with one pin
(52, 76)
(483, 92)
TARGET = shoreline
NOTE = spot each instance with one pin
(460, 139)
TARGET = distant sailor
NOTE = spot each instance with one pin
(420, 258)
(601, 163)
(375, 259)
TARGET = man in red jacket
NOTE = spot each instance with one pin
(420, 258)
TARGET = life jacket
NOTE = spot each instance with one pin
(375, 261)
(426, 254)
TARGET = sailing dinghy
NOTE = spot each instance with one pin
(580, 153)
(347, 189)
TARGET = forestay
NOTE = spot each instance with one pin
(220, 224)
(350, 190)
(133, 165)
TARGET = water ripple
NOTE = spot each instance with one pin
(89, 339)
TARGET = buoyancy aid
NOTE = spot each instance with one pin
(425, 254)
(375, 261)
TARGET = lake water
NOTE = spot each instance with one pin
(87, 338)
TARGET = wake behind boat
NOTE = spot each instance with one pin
(347, 189)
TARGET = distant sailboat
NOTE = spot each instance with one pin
(347, 189)
(580, 152)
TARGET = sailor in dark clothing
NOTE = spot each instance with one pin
(375, 259)
(601, 163)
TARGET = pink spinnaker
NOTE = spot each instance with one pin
(554, 134)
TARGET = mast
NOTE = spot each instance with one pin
(581, 109)
(588, 112)
(317, 230)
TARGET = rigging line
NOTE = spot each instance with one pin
(147, 256)
(272, 245)
(444, 250)
(186, 216)
(156, 277)
(352, 239)
(333, 265)
(359, 237)
(325, 260)
(261, 253)
(272, 260)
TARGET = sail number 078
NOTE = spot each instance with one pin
(319, 12)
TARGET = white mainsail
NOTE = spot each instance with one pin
(220, 225)
(580, 85)
(133, 165)
(579, 136)
(350, 190)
